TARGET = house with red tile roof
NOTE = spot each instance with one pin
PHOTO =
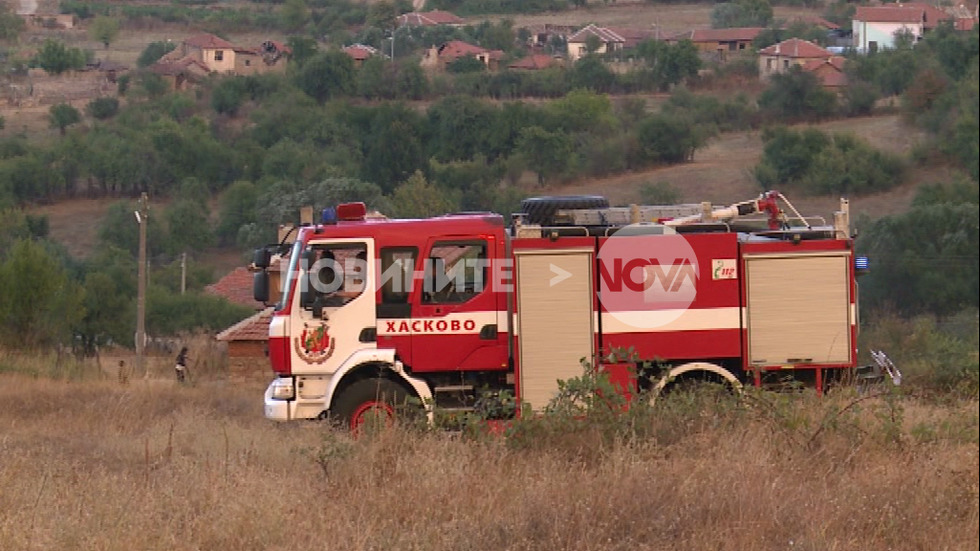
(247, 343)
(217, 55)
(874, 28)
(235, 287)
(780, 58)
(721, 42)
(432, 18)
(360, 53)
(830, 72)
(439, 57)
(180, 72)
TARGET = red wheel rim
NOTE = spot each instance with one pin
(370, 409)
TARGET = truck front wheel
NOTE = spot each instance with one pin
(371, 403)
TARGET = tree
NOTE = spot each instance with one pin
(228, 95)
(102, 108)
(466, 64)
(62, 115)
(667, 138)
(294, 14)
(547, 153)
(119, 229)
(11, 24)
(104, 29)
(302, 47)
(190, 231)
(383, 15)
(797, 94)
(458, 126)
(39, 305)
(153, 52)
(327, 75)
(417, 198)
(56, 58)
(237, 208)
(591, 73)
(924, 260)
(371, 80)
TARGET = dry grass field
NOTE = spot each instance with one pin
(89, 463)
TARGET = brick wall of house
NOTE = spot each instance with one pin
(248, 362)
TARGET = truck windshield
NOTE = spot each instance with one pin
(290, 276)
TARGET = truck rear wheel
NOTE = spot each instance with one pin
(371, 403)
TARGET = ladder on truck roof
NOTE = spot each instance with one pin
(594, 212)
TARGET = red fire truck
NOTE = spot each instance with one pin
(458, 310)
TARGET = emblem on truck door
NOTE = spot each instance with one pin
(314, 344)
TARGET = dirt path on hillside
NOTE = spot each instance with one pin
(722, 171)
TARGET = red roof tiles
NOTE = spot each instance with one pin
(360, 52)
(796, 48)
(830, 72)
(252, 328)
(235, 287)
(889, 14)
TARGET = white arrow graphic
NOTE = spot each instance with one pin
(560, 275)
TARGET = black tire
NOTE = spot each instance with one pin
(362, 399)
(541, 210)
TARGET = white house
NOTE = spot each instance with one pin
(874, 27)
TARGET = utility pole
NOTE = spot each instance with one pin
(183, 272)
(142, 218)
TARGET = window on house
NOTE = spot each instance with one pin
(785, 64)
(219, 55)
(873, 46)
(769, 64)
(248, 62)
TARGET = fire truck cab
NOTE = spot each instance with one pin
(460, 310)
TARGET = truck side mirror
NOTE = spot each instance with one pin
(262, 258)
(260, 287)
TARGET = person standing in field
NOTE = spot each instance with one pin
(181, 366)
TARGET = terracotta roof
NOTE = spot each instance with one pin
(830, 72)
(236, 287)
(889, 14)
(252, 328)
(632, 37)
(536, 61)
(455, 49)
(360, 52)
(720, 35)
(796, 48)
(177, 66)
(209, 41)
(932, 14)
(429, 18)
(607, 36)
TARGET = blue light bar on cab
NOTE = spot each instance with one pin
(328, 216)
